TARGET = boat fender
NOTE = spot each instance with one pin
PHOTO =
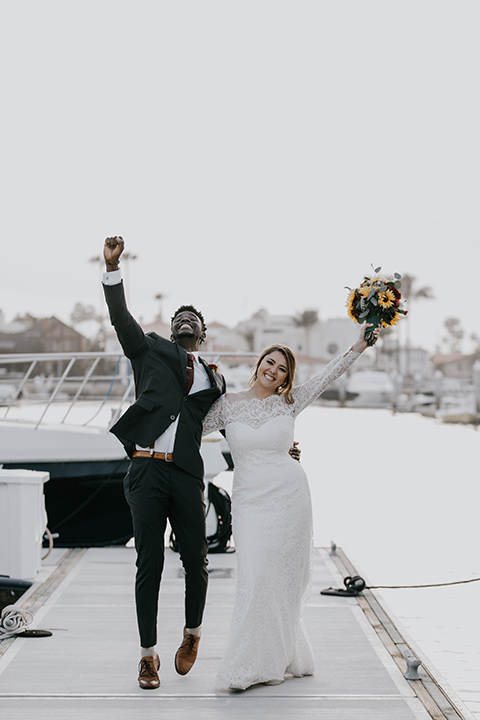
(353, 586)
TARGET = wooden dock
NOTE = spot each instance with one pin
(88, 667)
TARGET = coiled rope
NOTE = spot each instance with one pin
(13, 620)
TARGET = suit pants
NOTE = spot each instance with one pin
(156, 490)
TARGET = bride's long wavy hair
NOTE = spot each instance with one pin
(286, 387)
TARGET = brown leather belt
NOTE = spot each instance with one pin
(168, 457)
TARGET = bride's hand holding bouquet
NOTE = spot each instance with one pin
(361, 344)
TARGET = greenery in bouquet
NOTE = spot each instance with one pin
(378, 301)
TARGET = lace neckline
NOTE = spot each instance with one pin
(243, 398)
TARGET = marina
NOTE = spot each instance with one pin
(395, 490)
(291, 169)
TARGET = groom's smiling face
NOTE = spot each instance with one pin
(187, 326)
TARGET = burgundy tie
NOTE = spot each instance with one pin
(189, 371)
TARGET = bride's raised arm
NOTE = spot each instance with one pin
(310, 390)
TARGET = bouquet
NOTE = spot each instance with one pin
(377, 301)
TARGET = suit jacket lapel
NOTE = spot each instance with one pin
(210, 374)
(180, 368)
(214, 380)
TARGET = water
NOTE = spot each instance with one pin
(397, 493)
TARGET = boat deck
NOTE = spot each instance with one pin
(88, 667)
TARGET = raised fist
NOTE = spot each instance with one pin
(112, 250)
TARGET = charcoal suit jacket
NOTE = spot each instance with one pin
(160, 374)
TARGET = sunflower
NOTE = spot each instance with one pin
(351, 310)
(386, 299)
(393, 321)
(398, 296)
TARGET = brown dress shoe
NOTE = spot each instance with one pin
(148, 673)
(186, 653)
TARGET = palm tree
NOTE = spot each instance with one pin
(160, 297)
(455, 334)
(410, 292)
(306, 319)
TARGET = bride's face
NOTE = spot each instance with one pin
(272, 371)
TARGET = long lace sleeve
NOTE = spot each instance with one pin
(213, 420)
(308, 391)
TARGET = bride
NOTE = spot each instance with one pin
(272, 518)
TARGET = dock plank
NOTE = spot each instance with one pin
(89, 665)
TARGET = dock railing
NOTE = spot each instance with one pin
(70, 378)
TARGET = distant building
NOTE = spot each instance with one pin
(336, 336)
(158, 326)
(9, 333)
(413, 362)
(40, 335)
(263, 329)
(321, 341)
(221, 338)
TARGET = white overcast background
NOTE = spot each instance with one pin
(252, 154)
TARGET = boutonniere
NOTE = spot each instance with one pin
(213, 367)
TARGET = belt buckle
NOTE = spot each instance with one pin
(167, 458)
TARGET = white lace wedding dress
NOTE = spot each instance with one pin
(272, 528)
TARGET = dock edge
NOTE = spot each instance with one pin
(436, 700)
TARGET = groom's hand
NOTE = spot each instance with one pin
(112, 250)
(295, 451)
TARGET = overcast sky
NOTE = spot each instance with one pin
(252, 154)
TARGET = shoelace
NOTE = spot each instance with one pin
(147, 667)
(189, 642)
(13, 620)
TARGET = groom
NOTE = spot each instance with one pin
(161, 432)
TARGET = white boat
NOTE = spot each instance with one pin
(372, 388)
(56, 420)
(458, 409)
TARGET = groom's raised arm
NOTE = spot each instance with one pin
(130, 334)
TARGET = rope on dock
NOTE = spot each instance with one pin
(407, 587)
(354, 586)
(350, 582)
